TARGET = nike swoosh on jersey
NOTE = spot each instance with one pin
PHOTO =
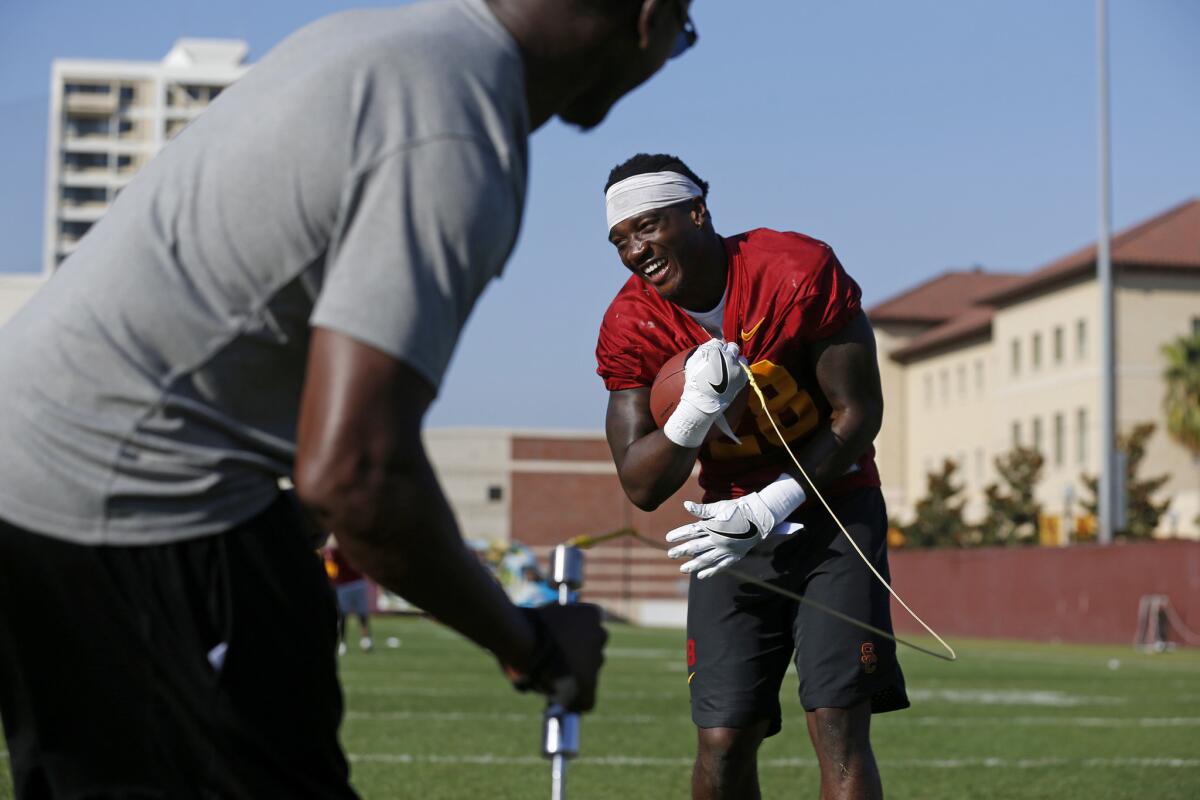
(720, 387)
(746, 335)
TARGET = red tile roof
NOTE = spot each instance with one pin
(942, 298)
(1169, 241)
(975, 321)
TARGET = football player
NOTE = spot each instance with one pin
(781, 303)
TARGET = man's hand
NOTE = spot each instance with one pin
(713, 377)
(566, 664)
(728, 529)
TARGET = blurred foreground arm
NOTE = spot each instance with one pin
(362, 469)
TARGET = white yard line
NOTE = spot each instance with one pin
(1056, 722)
(489, 691)
(779, 763)
(1013, 697)
(646, 719)
(770, 763)
(983, 697)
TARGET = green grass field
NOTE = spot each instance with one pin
(432, 719)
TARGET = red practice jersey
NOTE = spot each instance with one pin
(339, 570)
(784, 290)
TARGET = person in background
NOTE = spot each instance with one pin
(353, 596)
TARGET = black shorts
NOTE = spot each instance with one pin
(741, 637)
(203, 668)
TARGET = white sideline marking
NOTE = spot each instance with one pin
(779, 763)
(1012, 697)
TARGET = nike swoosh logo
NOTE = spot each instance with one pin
(720, 387)
(750, 534)
(746, 335)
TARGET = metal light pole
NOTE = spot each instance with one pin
(560, 728)
(1104, 277)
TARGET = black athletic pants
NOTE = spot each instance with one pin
(199, 669)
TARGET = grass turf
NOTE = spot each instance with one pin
(433, 719)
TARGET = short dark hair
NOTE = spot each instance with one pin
(658, 162)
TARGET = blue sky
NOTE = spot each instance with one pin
(914, 137)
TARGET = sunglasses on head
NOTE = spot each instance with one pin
(687, 34)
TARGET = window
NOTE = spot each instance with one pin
(944, 385)
(979, 377)
(83, 127)
(84, 161)
(1081, 348)
(928, 390)
(962, 381)
(1037, 434)
(1016, 357)
(1035, 355)
(73, 231)
(495, 493)
(1016, 434)
(1081, 436)
(1058, 345)
(87, 88)
(128, 94)
(1059, 436)
(81, 195)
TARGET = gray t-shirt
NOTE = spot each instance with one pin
(367, 176)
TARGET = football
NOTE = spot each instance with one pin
(668, 387)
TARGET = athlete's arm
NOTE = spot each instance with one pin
(848, 373)
(651, 467)
(362, 469)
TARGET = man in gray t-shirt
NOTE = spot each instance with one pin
(278, 294)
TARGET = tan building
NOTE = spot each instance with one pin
(1015, 359)
(108, 118)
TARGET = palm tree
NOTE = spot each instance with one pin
(1182, 402)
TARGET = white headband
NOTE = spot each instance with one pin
(646, 192)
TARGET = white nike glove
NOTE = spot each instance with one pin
(713, 377)
(728, 529)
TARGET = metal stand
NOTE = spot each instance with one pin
(560, 728)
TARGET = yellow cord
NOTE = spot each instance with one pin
(796, 461)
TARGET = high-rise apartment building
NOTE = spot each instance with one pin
(108, 118)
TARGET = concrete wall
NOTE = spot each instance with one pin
(472, 464)
(1085, 593)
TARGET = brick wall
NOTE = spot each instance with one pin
(1085, 593)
